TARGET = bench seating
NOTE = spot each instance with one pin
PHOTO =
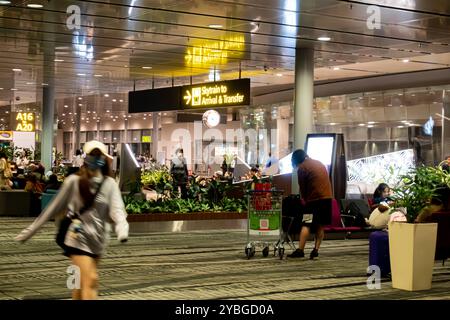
(16, 203)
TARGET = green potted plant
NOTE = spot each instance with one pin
(412, 245)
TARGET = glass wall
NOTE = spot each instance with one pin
(112, 138)
(374, 123)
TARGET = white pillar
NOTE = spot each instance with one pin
(155, 135)
(303, 101)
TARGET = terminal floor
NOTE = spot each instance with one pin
(197, 265)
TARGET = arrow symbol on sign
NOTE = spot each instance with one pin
(187, 97)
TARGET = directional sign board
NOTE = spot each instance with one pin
(216, 94)
(203, 95)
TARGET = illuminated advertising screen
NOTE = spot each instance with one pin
(321, 148)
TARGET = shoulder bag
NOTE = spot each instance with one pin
(67, 221)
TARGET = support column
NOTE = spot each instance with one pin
(303, 101)
(445, 126)
(48, 109)
(77, 126)
(48, 94)
(155, 135)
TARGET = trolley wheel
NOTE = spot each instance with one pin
(250, 251)
(265, 251)
(281, 253)
(247, 252)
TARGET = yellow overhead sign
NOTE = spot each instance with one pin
(146, 139)
(217, 94)
(23, 121)
(204, 53)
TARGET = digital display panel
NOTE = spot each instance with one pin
(321, 148)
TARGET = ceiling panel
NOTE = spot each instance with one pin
(175, 42)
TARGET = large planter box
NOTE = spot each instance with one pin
(411, 250)
(145, 217)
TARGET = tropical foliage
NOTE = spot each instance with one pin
(177, 205)
(419, 187)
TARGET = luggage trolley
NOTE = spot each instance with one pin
(264, 220)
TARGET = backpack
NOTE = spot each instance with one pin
(356, 217)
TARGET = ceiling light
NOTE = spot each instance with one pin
(34, 5)
(107, 110)
(59, 60)
(215, 26)
(106, 95)
(80, 98)
(324, 38)
(63, 114)
(80, 105)
(361, 124)
(30, 83)
(400, 127)
(98, 75)
(336, 68)
(5, 2)
(145, 118)
(45, 84)
(370, 122)
(114, 100)
(1, 88)
(146, 67)
(66, 106)
(405, 60)
(81, 74)
(279, 74)
(13, 89)
(16, 70)
(121, 100)
(370, 126)
(332, 124)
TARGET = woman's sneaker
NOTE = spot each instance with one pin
(314, 254)
(298, 253)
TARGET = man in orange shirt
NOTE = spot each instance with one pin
(315, 191)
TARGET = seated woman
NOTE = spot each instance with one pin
(33, 185)
(53, 183)
(381, 195)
